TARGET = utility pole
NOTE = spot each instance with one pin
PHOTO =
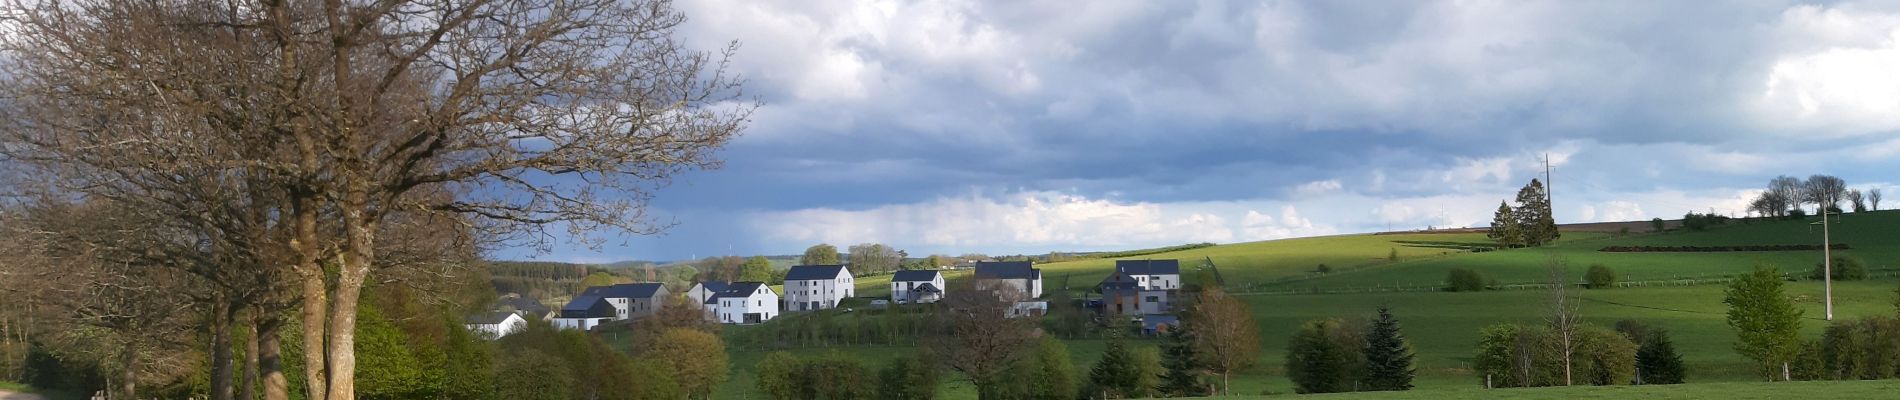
(1548, 188)
(1827, 264)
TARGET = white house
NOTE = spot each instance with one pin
(527, 307)
(495, 324)
(1016, 275)
(1034, 308)
(746, 303)
(703, 293)
(585, 313)
(816, 287)
(1152, 274)
(916, 286)
(631, 300)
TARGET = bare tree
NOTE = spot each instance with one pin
(1783, 194)
(979, 339)
(1824, 191)
(1873, 198)
(1564, 312)
(519, 113)
(1856, 200)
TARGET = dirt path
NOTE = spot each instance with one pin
(6, 395)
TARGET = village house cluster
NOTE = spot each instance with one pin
(1140, 290)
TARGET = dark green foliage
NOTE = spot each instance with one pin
(1603, 357)
(1505, 228)
(389, 365)
(1534, 217)
(1184, 369)
(1524, 356)
(1323, 269)
(838, 377)
(1464, 280)
(1392, 256)
(1657, 362)
(910, 378)
(469, 372)
(1809, 362)
(1767, 324)
(1657, 225)
(779, 376)
(45, 370)
(1325, 357)
(1844, 269)
(1599, 277)
(1047, 374)
(1389, 356)
(1699, 222)
(1867, 348)
(1116, 375)
(532, 375)
(1066, 319)
(1635, 331)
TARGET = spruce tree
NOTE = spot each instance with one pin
(1115, 375)
(1504, 226)
(1183, 366)
(1657, 363)
(1388, 356)
(1534, 215)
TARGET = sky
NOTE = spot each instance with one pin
(959, 127)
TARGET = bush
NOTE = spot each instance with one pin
(1860, 349)
(1599, 277)
(1325, 356)
(1657, 362)
(1657, 225)
(1521, 356)
(1464, 280)
(1845, 269)
(1323, 269)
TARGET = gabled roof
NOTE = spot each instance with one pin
(915, 275)
(488, 318)
(814, 272)
(741, 289)
(927, 288)
(1149, 267)
(1006, 270)
(587, 307)
(524, 304)
(625, 290)
(715, 286)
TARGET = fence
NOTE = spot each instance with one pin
(1692, 280)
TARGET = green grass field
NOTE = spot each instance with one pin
(1443, 326)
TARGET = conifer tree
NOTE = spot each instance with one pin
(1115, 375)
(1183, 378)
(1388, 356)
(1534, 215)
(1504, 227)
(1657, 362)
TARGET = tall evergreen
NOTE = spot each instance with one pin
(1534, 215)
(1657, 362)
(1504, 227)
(1183, 378)
(1388, 356)
(1115, 375)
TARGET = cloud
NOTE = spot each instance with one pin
(1840, 74)
(1317, 188)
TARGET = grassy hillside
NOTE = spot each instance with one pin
(1733, 391)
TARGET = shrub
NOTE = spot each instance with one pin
(1844, 268)
(1657, 225)
(1860, 349)
(1521, 356)
(1464, 280)
(1599, 277)
(1392, 256)
(1325, 356)
(1323, 269)
(1797, 213)
(1657, 362)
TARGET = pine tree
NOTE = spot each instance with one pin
(1657, 363)
(1183, 378)
(1534, 216)
(1504, 227)
(1115, 375)
(1388, 356)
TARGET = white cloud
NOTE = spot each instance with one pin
(1317, 188)
(1839, 73)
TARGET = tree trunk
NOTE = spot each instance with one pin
(247, 387)
(1785, 373)
(315, 297)
(221, 350)
(128, 373)
(269, 359)
(358, 253)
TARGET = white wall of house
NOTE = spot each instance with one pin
(1027, 309)
(818, 294)
(579, 323)
(514, 323)
(733, 310)
(1029, 287)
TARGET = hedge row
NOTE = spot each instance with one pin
(1712, 249)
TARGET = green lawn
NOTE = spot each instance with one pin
(1732, 391)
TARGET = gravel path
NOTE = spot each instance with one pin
(6, 395)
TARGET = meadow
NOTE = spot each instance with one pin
(1443, 326)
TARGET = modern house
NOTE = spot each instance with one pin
(745, 303)
(703, 293)
(631, 300)
(584, 313)
(916, 286)
(495, 324)
(1140, 287)
(1018, 275)
(1151, 274)
(816, 287)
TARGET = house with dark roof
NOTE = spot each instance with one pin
(1017, 275)
(585, 312)
(1140, 287)
(817, 287)
(631, 300)
(1150, 274)
(702, 294)
(495, 324)
(527, 307)
(916, 286)
(745, 303)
